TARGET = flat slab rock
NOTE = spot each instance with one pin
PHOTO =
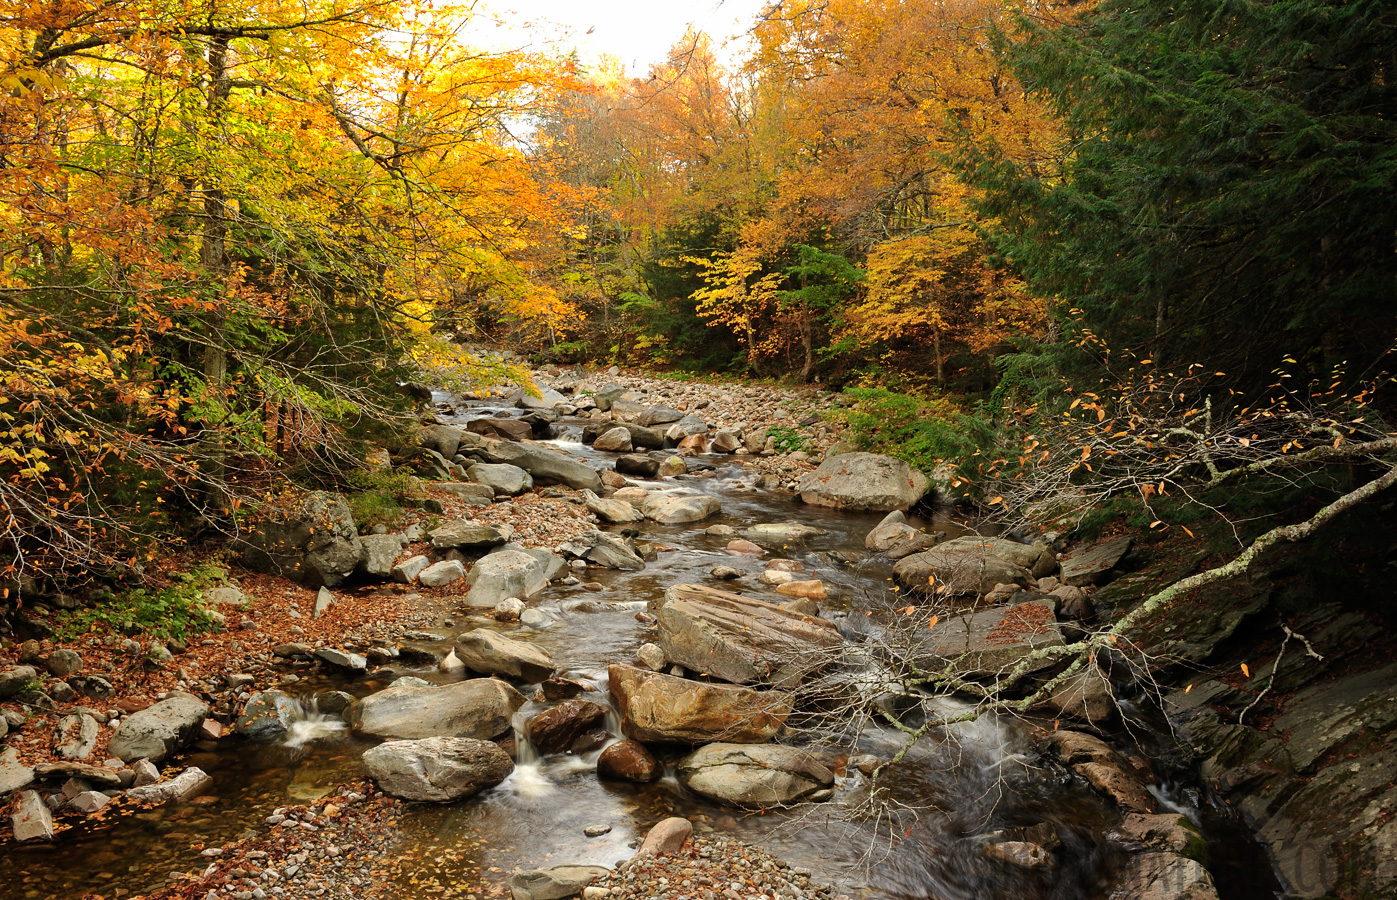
(994, 640)
(1090, 565)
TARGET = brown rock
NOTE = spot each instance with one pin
(693, 445)
(508, 429)
(554, 730)
(1121, 786)
(668, 836)
(807, 590)
(746, 548)
(663, 708)
(628, 760)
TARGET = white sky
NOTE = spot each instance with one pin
(638, 33)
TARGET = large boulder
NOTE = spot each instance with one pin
(671, 508)
(613, 512)
(637, 465)
(974, 565)
(380, 553)
(992, 641)
(628, 760)
(158, 731)
(545, 465)
(461, 535)
(742, 640)
(502, 478)
(437, 769)
(642, 438)
(510, 573)
(481, 708)
(554, 730)
(755, 776)
(863, 481)
(666, 709)
(442, 439)
(491, 653)
(503, 429)
(268, 714)
(547, 398)
(314, 541)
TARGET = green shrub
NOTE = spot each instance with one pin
(922, 431)
(378, 497)
(788, 439)
(173, 612)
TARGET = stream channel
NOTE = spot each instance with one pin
(954, 790)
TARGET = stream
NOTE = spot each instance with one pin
(950, 795)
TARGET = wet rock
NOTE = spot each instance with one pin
(314, 542)
(672, 467)
(444, 572)
(740, 639)
(510, 573)
(596, 831)
(502, 478)
(1163, 876)
(407, 570)
(784, 565)
(77, 736)
(63, 662)
(668, 836)
(863, 481)
(973, 565)
(781, 533)
(662, 708)
(754, 775)
(1119, 784)
(1165, 832)
(1091, 565)
(438, 769)
(628, 760)
(481, 708)
(491, 653)
(545, 465)
(503, 429)
(189, 783)
(534, 618)
(745, 548)
(14, 774)
(1087, 695)
(727, 573)
(1024, 854)
(614, 440)
(613, 511)
(267, 715)
(554, 884)
(341, 659)
(31, 819)
(888, 533)
(160, 730)
(554, 730)
(333, 702)
(776, 577)
(805, 590)
(991, 641)
(639, 466)
(603, 549)
(561, 688)
(509, 609)
(675, 508)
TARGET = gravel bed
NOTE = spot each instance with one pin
(713, 869)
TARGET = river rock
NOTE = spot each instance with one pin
(863, 481)
(692, 445)
(672, 467)
(63, 662)
(613, 511)
(556, 883)
(660, 415)
(991, 641)
(963, 566)
(491, 653)
(407, 570)
(637, 465)
(437, 769)
(473, 493)
(1121, 785)
(1091, 565)
(781, 533)
(501, 429)
(380, 552)
(628, 760)
(428, 463)
(480, 708)
(443, 439)
(145, 773)
(502, 478)
(444, 572)
(754, 776)
(14, 774)
(461, 535)
(1086, 695)
(554, 730)
(890, 532)
(547, 398)
(89, 802)
(804, 590)
(314, 541)
(741, 639)
(725, 442)
(1163, 876)
(615, 440)
(31, 819)
(545, 465)
(267, 715)
(17, 679)
(509, 572)
(341, 659)
(77, 736)
(652, 656)
(160, 730)
(668, 836)
(190, 782)
(662, 708)
(669, 508)
(642, 438)
(1165, 832)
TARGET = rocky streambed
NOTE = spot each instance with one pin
(577, 643)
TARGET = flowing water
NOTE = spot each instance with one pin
(954, 791)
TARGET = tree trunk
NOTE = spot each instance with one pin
(212, 258)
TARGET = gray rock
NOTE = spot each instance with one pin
(145, 772)
(754, 775)
(614, 512)
(1092, 564)
(314, 542)
(545, 465)
(510, 573)
(77, 736)
(407, 570)
(547, 399)
(1163, 876)
(63, 771)
(491, 653)
(64, 662)
(614, 440)
(637, 465)
(323, 601)
(668, 836)
(16, 679)
(444, 572)
(642, 438)
(781, 533)
(604, 549)
(652, 656)
(380, 552)
(13, 773)
(890, 532)
(863, 481)
(559, 728)
(94, 686)
(660, 415)
(742, 640)
(502, 478)
(727, 573)
(481, 708)
(189, 783)
(31, 818)
(438, 769)
(555, 883)
(968, 565)
(89, 802)
(342, 659)
(474, 494)
(668, 508)
(661, 708)
(992, 641)
(160, 730)
(533, 618)
(465, 536)
(268, 714)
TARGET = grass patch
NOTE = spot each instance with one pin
(175, 612)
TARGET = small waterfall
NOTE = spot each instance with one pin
(313, 725)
